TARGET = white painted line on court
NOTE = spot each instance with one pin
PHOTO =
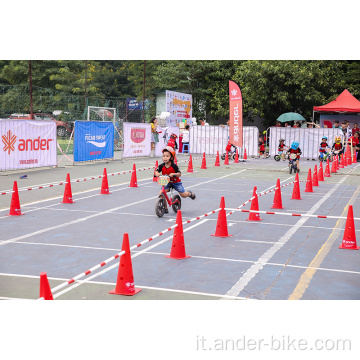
(258, 241)
(255, 268)
(80, 282)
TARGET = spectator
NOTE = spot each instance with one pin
(186, 135)
(154, 135)
(344, 130)
(348, 130)
(355, 129)
(278, 124)
(336, 124)
(354, 140)
(325, 126)
(287, 124)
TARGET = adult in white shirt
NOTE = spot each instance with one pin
(186, 135)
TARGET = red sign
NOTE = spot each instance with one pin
(235, 112)
(138, 135)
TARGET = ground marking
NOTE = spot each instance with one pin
(255, 268)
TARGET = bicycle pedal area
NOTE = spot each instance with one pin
(297, 239)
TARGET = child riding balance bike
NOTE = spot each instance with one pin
(324, 150)
(294, 153)
(168, 175)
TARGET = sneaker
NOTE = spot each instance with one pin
(166, 211)
(192, 195)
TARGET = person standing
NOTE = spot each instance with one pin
(154, 135)
(355, 129)
(186, 135)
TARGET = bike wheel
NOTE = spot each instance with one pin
(277, 157)
(223, 157)
(290, 168)
(160, 206)
(176, 203)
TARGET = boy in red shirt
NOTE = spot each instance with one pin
(355, 145)
(168, 167)
(337, 147)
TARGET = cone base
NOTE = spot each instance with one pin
(349, 248)
(177, 258)
(217, 165)
(253, 219)
(296, 199)
(132, 186)
(308, 190)
(277, 207)
(113, 292)
(104, 193)
(222, 236)
(15, 214)
(68, 202)
(205, 168)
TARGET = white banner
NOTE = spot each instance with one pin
(179, 106)
(211, 139)
(137, 139)
(27, 144)
(309, 139)
(164, 137)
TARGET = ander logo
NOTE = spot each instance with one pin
(9, 142)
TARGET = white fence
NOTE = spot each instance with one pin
(309, 139)
(211, 139)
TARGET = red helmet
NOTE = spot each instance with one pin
(174, 136)
(170, 150)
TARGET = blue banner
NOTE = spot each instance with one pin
(94, 140)
(133, 104)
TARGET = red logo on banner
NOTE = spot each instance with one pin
(138, 135)
(235, 115)
(9, 142)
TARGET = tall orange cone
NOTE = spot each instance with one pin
(345, 161)
(333, 167)
(190, 166)
(253, 216)
(315, 181)
(217, 160)
(277, 203)
(221, 225)
(105, 185)
(156, 166)
(349, 239)
(236, 160)
(321, 173)
(203, 163)
(245, 155)
(349, 157)
(178, 245)
(327, 169)
(226, 162)
(45, 291)
(296, 190)
(125, 284)
(341, 165)
(67, 199)
(308, 187)
(15, 209)
(133, 180)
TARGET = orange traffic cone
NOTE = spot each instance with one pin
(217, 160)
(156, 166)
(203, 163)
(308, 187)
(226, 162)
(15, 209)
(321, 173)
(67, 199)
(125, 280)
(349, 239)
(105, 186)
(236, 160)
(45, 291)
(253, 216)
(327, 169)
(337, 162)
(315, 181)
(175, 160)
(245, 155)
(190, 166)
(333, 167)
(178, 245)
(296, 190)
(341, 165)
(221, 225)
(345, 161)
(277, 203)
(133, 180)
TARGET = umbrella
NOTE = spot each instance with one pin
(290, 116)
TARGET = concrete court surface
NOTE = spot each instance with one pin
(280, 257)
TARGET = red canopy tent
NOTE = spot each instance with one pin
(345, 103)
